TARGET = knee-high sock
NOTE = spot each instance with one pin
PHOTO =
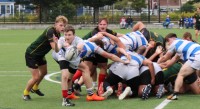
(77, 75)
(101, 78)
(64, 93)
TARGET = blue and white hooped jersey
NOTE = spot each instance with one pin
(133, 40)
(89, 49)
(136, 59)
(184, 48)
(108, 46)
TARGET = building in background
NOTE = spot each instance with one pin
(7, 8)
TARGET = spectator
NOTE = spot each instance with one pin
(181, 23)
(129, 22)
(122, 22)
(186, 21)
(167, 22)
(191, 24)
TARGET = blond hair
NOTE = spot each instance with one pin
(61, 19)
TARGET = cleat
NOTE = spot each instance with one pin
(172, 97)
(146, 92)
(94, 97)
(26, 97)
(38, 92)
(77, 87)
(66, 102)
(125, 93)
(100, 90)
(73, 96)
(160, 92)
(120, 88)
(107, 93)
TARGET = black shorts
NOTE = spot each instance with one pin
(35, 61)
(97, 59)
(191, 78)
(65, 65)
(197, 27)
(111, 80)
(145, 78)
(146, 33)
(159, 78)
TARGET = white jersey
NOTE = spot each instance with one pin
(157, 68)
(89, 49)
(185, 49)
(133, 40)
(130, 70)
(136, 59)
(61, 54)
(108, 46)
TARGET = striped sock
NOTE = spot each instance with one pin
(90, 91)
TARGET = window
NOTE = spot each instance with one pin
(8, 9)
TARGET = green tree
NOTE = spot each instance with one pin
(134, 4)
(95, 4)
(187, 7)
(49, 9)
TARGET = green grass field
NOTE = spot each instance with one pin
(14, 75)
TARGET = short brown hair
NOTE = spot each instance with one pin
(102, 20)
(61, 19)
(187, 35)
(69, 28)
(170, 35)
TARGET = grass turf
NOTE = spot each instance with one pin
(14, 76)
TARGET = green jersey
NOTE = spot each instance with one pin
(95, 31)
(156, 37)
(41, 46)
(197, 17)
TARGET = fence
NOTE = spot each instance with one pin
(113, 17)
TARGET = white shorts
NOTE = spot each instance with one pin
(194, 61)
(157, 68)
(126, 72)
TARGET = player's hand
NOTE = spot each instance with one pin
(55, 39)
(159, 49)
(127, 61)
(99, 35)
(150, 46)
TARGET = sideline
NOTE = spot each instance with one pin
(163, 104)
(47, 77)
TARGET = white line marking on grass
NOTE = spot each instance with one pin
(13, 71)
(47, 77)
(163, 104)
(13, 75)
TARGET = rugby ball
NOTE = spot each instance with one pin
(71, 53)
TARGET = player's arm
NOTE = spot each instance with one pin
(170, 62)
(52, 39)
(115, 39)
(122, 51)
(158, 51)
(167, 56)
(97, 36)
(149, 63)
(113, 57)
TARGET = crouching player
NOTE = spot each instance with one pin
(145, 81)
(129, 73)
